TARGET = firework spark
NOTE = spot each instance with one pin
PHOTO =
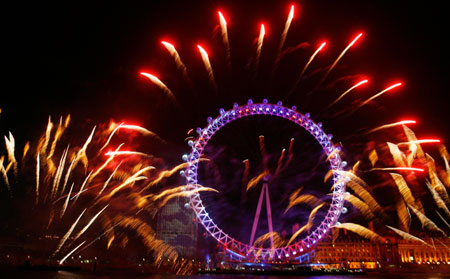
(386, 126)
(262, 33)
(378, 95)
(396, 168)
(339, 57)
(176, 57)
(322, 45)
(286, 29)
(226, 43)
(362, 231)
(348, 91)
(71, 252)
(69, 232)
(420, 141)
(207, 64)
(160, 84)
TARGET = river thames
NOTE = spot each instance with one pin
(23, 274)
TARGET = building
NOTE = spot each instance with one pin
(176, 226)
(417, 253)
(344, 253)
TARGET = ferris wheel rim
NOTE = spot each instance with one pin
(278, 110)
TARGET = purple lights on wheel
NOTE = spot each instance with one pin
(276, 110)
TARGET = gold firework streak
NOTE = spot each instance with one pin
(176, 57)
(160, 84)
(226, 43)
(378, 94)
(5, 177)
(47, 136)
(393, 169)
(90, 223)
(284, 34)
(407, 236)
(207, 63)
(66, 203)
(37, 176)
(130, 180)
(406, 192)
(386, 126)
(340, 56)
(348, 91)
(361, 231)
(10, 146)
(68, 233)
(262, 32)
(70, 253)
(111, 135)
(322, 45)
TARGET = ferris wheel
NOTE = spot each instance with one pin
(249, 251)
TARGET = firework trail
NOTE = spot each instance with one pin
(66, 203)
(207, 64)
(438, 200)
(90, 223)
(226, 43)
(377, 95)
(37, 177)
(283, 37)
(262, 33)
(5, 177)
(71, 252)
(339, 58)
(395, 168)
(362, 231)
(176, 57)
(348, 91)
(407, 236)
(306, 198)
(419, 141)
(360, 205)
(426, 222)
(403, 215)
(68, 233)
(386, 126)
(160, 84)
(299, 78)
(10, 146)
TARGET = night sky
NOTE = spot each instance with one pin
(84, 59)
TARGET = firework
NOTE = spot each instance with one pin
(348, 91)
(386, 126)
(160, 84)
(284, 34)
(379, 94)
(262, 33)
(322, 45)
(180, 65)
(207, 64)
(362, 231)
(226, 43)
(340, 56)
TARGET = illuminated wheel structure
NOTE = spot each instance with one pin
(248, 252)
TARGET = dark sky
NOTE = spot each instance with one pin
(84, 59)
